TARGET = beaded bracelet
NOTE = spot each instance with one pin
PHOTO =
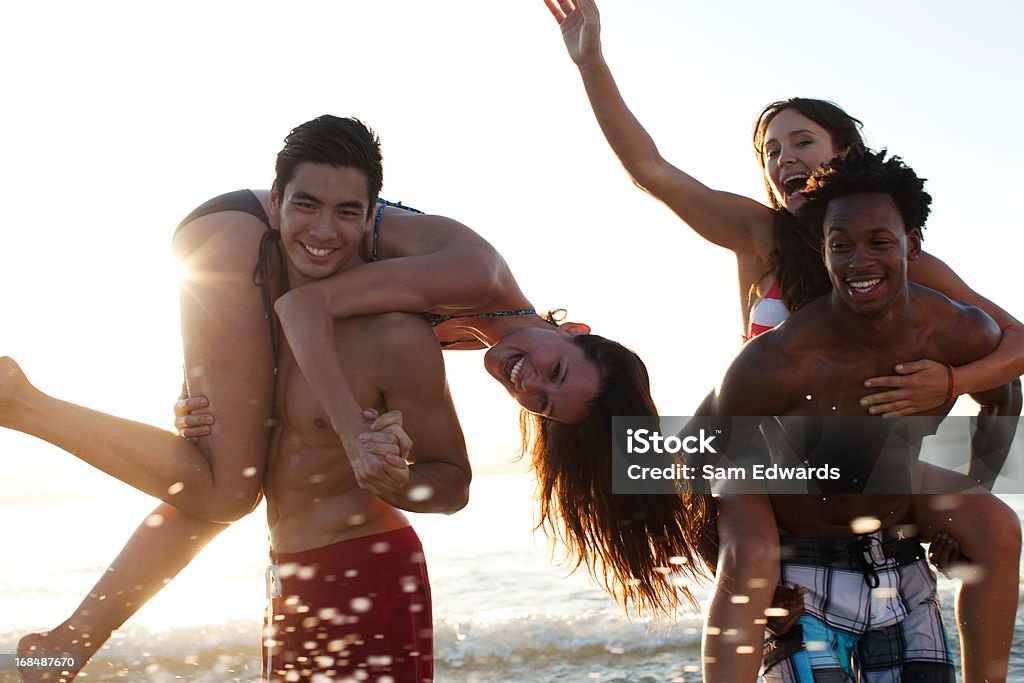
(952, 384)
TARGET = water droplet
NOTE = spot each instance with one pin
(808, 397)
(418, 494)
(154, 520)
(249, 472)
(360, 605)
(175, 488)
(865, 525)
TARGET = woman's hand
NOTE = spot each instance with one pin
(581, 27)
(387, 436)
(379, 452)
(919, 386)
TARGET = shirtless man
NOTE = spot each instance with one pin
(351, 595)
(349, 584)
(350, 590)
(870, 601)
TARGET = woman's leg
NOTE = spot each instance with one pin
(748, 571)
(228, 359)
(989, 534)
(153, 556)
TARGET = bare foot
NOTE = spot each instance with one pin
(40, 645)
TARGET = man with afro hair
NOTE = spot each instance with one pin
(871, 611)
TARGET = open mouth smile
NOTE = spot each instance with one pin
(794, 183)
(512, 367)
(318, 252)
(864, 289)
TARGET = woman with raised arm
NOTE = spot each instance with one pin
(413, 263)
(780, 271)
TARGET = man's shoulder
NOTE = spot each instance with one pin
(770, 371)
(398, 333)
(405, 350)
(756, 379)
(964, 332)
(789, 343)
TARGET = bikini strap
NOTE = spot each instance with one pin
(262, 274)
(376, 229)
(381, 203)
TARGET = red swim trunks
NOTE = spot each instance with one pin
(358, 609)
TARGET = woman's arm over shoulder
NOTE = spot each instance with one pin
(933, 273)
(1005, 362)
(428, 263)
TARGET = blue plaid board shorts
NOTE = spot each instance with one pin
(872, 614)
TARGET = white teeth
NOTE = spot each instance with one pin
(865, 284)
(317, 252)
(514, 373)
(795, 183)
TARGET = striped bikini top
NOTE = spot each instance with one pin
(767, 313)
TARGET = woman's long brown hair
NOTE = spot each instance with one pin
(644, 549)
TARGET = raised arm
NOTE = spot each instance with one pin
(728, 220)
(923, 384)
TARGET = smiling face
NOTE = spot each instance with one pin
(545, 372)
(866, 251)
(794, 146)
(323, 215)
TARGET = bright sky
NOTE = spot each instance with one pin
(120, 117)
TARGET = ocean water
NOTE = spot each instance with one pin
(503, 610)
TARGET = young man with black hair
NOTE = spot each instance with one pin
(870, 604)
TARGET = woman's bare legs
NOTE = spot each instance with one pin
(228, 359)
(748, 572)
(989, 535)
(152, 557)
